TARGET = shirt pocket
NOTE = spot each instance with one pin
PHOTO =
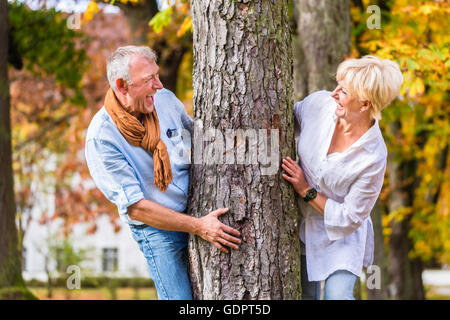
(179, 151)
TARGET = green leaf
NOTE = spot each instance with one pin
(161, 19)
(412, 64)
(49, 48)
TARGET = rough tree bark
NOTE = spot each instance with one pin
(243, 80)
(323, 41)
(11, 282)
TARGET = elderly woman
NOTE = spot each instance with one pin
(342, 163)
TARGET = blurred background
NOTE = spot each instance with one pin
(57, 53)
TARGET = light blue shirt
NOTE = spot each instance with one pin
(124, 173)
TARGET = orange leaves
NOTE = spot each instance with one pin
(185, 26)
(92, 228)
(184, 8)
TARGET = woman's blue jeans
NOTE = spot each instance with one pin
(167, 260)
(338, 286)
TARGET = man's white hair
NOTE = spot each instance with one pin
(118, 65)
(372, 79)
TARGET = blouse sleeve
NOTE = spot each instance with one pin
(298, 117)
(313, 102)
(341, 219)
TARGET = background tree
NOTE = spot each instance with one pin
(37, 50)
(11, 282)
(243, 80)
(323, 40)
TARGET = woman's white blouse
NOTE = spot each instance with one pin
(351, 180)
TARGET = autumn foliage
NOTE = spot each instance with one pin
(415, 35)
(51, 111)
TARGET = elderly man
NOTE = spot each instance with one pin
(128, 146)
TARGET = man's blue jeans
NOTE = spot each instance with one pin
(338, 286)
(167, 260)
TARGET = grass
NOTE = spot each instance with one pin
(437, 293)
(150, 294)
(95, 294)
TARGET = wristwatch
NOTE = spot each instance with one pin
(310, 194)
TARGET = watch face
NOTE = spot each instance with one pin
(311, 193)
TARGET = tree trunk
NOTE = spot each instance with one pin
(324, 39)
(243, 80)
(379, 255)
(169, 59)
(405, 274)
(11, 282)
(138, 16)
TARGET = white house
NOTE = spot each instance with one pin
(112, 254)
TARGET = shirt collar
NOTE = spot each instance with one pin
(369, 140)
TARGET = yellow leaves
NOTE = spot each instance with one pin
(416, 88)
(372, 45)
(443, 205)
(125, 1)
(428, 8)
(92, 9)
(170, 16)
(421, 249)
(447, 64)
(421, 9)
(397, 215)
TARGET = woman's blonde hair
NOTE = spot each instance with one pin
(371, 79)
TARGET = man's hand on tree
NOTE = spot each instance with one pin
(214, 231)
